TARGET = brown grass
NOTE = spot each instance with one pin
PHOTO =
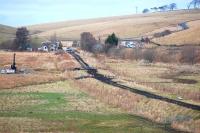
(40, 67)
(123, 26)
(189, 36)
(135, 104)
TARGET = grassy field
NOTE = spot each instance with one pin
(190, 36)
(50, 98)
(127, 26)
(36, 68)
(59, 107)
(170, 80)
(178, 117)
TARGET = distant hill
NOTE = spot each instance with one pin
(124, 26)
(6, 33)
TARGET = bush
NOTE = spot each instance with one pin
(149, 55)
(161, 34)
(189, 54)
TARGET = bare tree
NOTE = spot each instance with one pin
(87, 41)
(194, 3)
(22, 39)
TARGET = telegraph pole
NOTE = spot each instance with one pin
(136, 9)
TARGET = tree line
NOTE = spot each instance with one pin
(172, 6)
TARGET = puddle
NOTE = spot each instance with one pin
(185, 81)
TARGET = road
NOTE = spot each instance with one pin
(107, 80)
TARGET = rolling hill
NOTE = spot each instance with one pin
(6, 33)
(126, 26)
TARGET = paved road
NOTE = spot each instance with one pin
(109, 81)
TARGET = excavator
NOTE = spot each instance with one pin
(12, 69)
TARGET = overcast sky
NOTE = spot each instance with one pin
(28, 12)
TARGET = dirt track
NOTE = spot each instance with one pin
(109, 81)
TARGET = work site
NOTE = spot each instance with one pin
(135, 73)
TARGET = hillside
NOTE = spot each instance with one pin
(6, 33)
(189, 36)
(123, 26)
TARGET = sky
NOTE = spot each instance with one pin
(28, 12)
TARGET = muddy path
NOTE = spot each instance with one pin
(107, 80)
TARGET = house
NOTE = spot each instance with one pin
(48, 46)
(130, 43)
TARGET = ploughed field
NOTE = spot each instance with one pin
(46, 95)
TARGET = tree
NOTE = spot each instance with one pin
(22, 39)
(172, 6)
(145, 10)
(154, 9)
(112, 40)
(87, 41)
(195, 3)
(163, 8)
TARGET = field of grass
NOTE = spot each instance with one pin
(59, 107)
(178, 117)
(189, 36)
(172, 80)
(50, 98)
(34, 68)
(125, 26)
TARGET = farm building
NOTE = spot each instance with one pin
(48, 46)
(130, 43)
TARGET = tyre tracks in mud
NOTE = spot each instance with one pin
(104, 79)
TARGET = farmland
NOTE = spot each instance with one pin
(128, 26)
(62, 103)
(109, 92)
(48, 93)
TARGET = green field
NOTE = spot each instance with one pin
(58, 107)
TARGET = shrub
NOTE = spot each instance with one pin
(189, 54)
(149, 55)
(161, 34)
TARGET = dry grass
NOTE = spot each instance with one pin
(6, 33)
(123, 26)
(40, 67)
(175, 80)
(135, 104)
(154, 78)
(189, 36)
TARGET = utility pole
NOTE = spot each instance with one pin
(136, 9)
